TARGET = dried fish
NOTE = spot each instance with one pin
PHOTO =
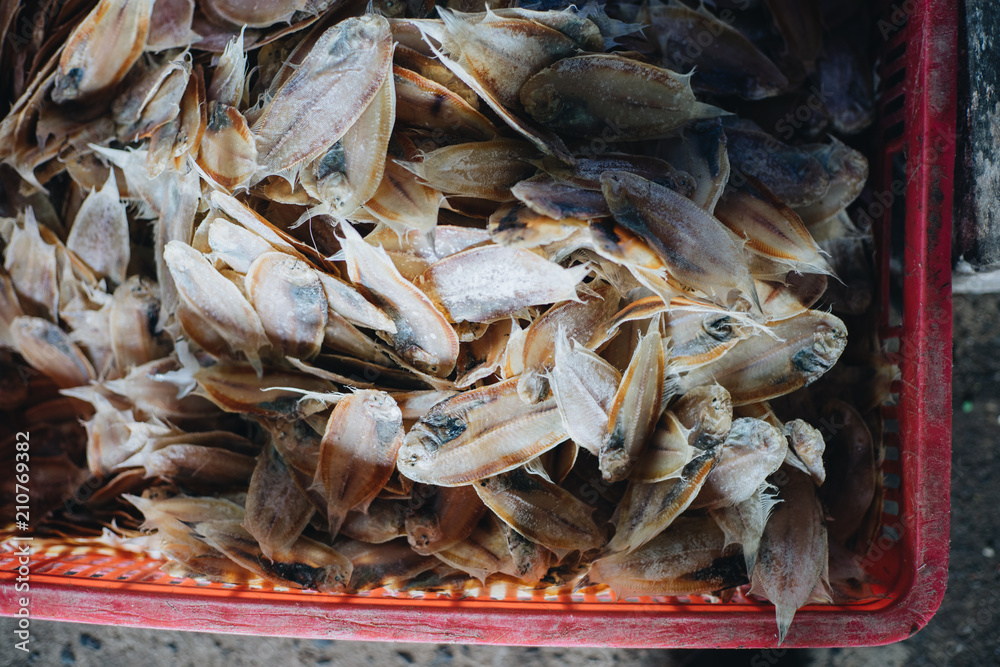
(744, 522)
(793, 557)
(584, 386)
(290, 301)
(477, 434)
(441, 517)
(100, 233)
(753, 450)
(502, 53)
(486, 169)
(483, 553)
(806, 446)
(707, 413)
(636, 408)
(762, 367)
(326, 94)
(488, 283)
(391, 564)
(685, 559)
(219, 317)
(383, 522)
(135, 310)
(50, 351)
(546, 196)
(666, 453)
(793, 174)
(429, 105)
(357, 453)
(697, 250)
(701, 152)
(305, 564)
(402, 202)
(612, 96)
(647, 509)
(771, 228)
(349, 173)
(579, 321)
(102, 49)
(586, 172)
(228, 152)
(277, 394)
(541, 511)
(423, 336)
(31, 264)
(729, 64)
(531, 561)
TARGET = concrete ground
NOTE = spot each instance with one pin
(964, 631)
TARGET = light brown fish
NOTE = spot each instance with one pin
(31, 264)
(383, 522)
(753, 450)
(477, 434)
(762, 367)
(486, 169)
(771, 228)
(429, 105)
(388, 565)
(222, 318)
(402, 202)
(541, 511)
(483, 553)
(531, 561)
(707, 413)
(277, 510)
(517, 226)
(666, 453)
(257, 14)
(687, 558)
(695, 247)
(340, 77)
(492, 282)
(647, 509)
(793, 557)
(744, 522)
(305, 564)
(584, 387)
(423, 336)
(357, 452)
(701, 152)
(441, 517)
(228, 151)
(48, 349)
(635, 409)
(579, 320)
(349, 173)
(272, 393)
(502, 53)
(624, 99)
(135, 339)
(102, 49)
(805, 449)
(289, 299)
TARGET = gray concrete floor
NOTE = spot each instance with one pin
(964, 631)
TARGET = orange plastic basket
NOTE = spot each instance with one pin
(917, 119)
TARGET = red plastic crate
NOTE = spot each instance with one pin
(918, 58)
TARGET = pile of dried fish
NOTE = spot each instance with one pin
(429, 298)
